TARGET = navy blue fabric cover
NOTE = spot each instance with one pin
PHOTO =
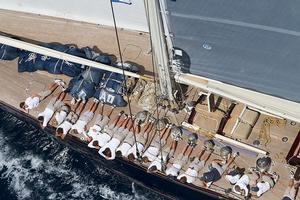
(111, 89)
(79, 88)
(8, 52)
(26, 62)
(109, 97)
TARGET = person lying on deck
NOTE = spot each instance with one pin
(141, 139)
(183, 157)
(191, 174)
(109, 129)
(167, 152)
(234, 175)
(63, 129)
(60, 115)
(80, 126)
(217, 168)
(34, 100)
(159, 141)
(108, 151)
(291, 190)
(95, 131)
(127, 142)
(54, 104)
(242, 185)
(267, 182)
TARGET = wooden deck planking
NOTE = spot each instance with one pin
(19, 86)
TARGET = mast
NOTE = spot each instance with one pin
(159, 47)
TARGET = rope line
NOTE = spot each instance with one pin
(124, 76)
(155, 84)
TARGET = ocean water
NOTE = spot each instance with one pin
(33, 165)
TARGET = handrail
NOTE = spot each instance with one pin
(64, 56)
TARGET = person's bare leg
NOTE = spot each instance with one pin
(205, 157)
(130, 124)
(124, 123)
(111, 111)
(80, 108)
(174, 145)
(185, 149)
(117, 119)
(94, 107)
(166, 134)
(53, 87)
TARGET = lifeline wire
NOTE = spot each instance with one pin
(122, 64)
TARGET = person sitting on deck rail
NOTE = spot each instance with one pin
(109, 129)
(34, 100)
(183, 157)
(54, 104)
(217, 168)
(133, 149)
(160, 138)
(234, 175)
(108, 151)
(267, 182)
(291, 190)
(191, 174)
(63, 129)
(241, 186)
(94, 132)
(80, 126)
(168, 152)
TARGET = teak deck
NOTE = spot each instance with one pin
(16, 87)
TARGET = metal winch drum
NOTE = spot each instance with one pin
(225, 151)
(209, 144)
(161, 124)
(192, 139)
(263, 164)
(176, 133)
(141, 117)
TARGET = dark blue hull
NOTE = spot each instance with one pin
(163, 185)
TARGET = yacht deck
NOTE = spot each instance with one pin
(16, 87)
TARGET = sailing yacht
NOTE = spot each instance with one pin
(212, 109)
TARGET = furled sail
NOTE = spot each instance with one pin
(250, 44)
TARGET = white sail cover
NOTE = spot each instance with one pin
(251, 44)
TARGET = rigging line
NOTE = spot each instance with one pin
(155, 82)
(124, 76)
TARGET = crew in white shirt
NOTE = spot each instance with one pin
(34, 100)
(54, 104)
(95, 131)
(159, 141)
(63, 129)
(268, 182)
(80, 126)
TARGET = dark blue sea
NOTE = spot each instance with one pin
(33, 165)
